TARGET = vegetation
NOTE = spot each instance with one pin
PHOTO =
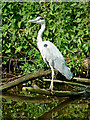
(66, 27)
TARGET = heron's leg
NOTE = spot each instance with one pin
(51, 86)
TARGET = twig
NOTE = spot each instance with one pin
(31, 43)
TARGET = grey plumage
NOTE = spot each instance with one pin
(51, 55)
(54, 57)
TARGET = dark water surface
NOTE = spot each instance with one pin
(44, 107)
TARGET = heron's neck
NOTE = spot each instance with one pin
(39, 36)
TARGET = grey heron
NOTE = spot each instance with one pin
(50, 54)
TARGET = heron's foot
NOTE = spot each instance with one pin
(50, 89)
(52, 92)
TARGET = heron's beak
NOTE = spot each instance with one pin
(32, 21)
(35, 20)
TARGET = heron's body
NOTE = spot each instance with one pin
(51, 55)
(54, 58)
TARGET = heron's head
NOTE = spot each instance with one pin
(38, 20)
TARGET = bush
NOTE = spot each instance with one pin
(66, 27)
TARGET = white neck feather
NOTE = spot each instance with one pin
(39, 36)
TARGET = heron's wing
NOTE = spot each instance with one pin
(50, 52)
(53, 56)
(63, 69)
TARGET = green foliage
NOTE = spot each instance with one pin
(66, 27)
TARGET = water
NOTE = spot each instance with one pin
(44, 107)
(19, 104)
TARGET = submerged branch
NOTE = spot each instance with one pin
(28, 99)
(56, 93)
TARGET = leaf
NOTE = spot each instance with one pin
(74, 50)
(8, 51)
(78, 20)
(73, 4)
(18, 49)
(19, 24)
